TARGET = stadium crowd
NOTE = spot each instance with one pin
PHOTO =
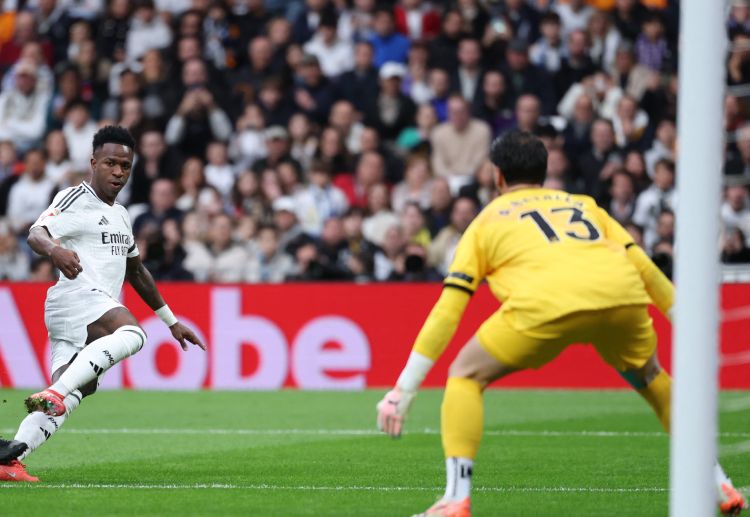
(347, 140)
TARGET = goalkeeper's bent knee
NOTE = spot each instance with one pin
(462, 417)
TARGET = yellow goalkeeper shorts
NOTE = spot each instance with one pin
(623, 336)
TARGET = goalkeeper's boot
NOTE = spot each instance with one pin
(47, 401)
(448, 509)
(11, 450)
(731, 502)
(16, 471)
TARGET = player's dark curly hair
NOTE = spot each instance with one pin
(521, 157)
(113, 135)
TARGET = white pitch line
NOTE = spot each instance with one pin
(373, 432)
(313, 488)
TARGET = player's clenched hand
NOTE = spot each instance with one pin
(66, 261)
(392, 411)
(183, 334)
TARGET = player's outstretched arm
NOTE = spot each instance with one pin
(436, 333)
(658, 286)
(66, 261)
(143, 283)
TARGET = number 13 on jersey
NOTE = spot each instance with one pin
(577, 226)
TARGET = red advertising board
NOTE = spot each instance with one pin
(315, 336)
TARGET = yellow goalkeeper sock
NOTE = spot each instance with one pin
(462, 418)
(658, 394)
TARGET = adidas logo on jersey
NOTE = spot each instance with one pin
(103, 221)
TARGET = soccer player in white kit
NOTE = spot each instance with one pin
(88, 237)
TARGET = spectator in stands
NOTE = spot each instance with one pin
(414, 224)
(161, 206)
(387, 44)
(467, 79)
(576, 63)
(652, 49)
(438, 214)
(391, 111)
(665, 226)
(735, 210)
(416, 20)
(632, 77)
(651, 202)
(355, 23)
(597, 166)
(439, 85)
(275, 104)
(163, 253)
(416, 185)
(30, 195)
(739, 164)
(147, 30)
(343, 118)
(577, 132)
(492, 104)
(33, 52)
(334, 54)
(220, 259)
(622, 197)
(218, 171)
(380, 216)
(603, 39)
(630, 123)
(359, 254)
(23, 109)
(314, 94)
(523, 77)
(268, 263)
(155, 160)
(418, 137)
(14, 263)
(8, 160)
(548, 50)
(25, 31)
(360, 85)
(628, 15)
(112, 33)
(79, 131)
(191, 183)
(734, 248)
(443, 247)
(664, 145)
(523, 19)
(285, 220)
(277, 150)
(528, 113)
(308, 19)
(443, 50)
(460, 145)
(320, 200)
(198, 119)
(58, 168)
(389, 253)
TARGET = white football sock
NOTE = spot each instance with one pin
(720, 476)
(37, 427)
(99, 356)
(458, 478)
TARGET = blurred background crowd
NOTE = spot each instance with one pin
(347, 139)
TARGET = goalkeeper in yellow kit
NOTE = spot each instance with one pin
(566, 273)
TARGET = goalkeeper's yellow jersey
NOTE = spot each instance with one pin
(545, 254)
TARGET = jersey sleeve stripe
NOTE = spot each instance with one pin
(628, 245)
(84, 185)
(67, 196)
(72, 200)
(459, 287)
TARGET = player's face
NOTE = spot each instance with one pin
(111, 165)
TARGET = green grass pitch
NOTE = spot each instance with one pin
(556, 453)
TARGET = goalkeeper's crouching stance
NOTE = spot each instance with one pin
(565, 273)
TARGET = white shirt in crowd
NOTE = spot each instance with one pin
(27, 199)
(315, 205)
(79, 143)
(144, 36)
(221, 177)
(335, 59)
(740, 220)
(650, 203)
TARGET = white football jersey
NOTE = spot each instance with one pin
(99, 233)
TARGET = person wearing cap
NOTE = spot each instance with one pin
(23, 109)
(389, 45)
(277, 151)
(314, 94)
(391, 111)
(285, 220)
(335, 55)
(523, 77)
